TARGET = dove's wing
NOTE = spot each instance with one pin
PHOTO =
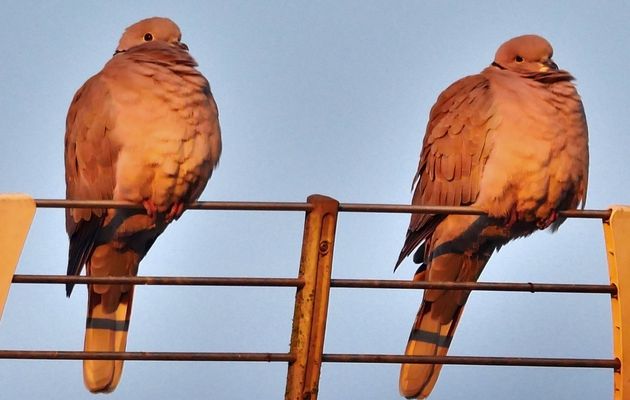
(90, 167)
(453, 154)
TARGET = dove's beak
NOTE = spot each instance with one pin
(182, 45)
(548, 65)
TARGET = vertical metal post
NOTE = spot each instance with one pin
(617, 235)
(311, 300)
(16, 215)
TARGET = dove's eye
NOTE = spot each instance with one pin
(518, 59)
(148, 37)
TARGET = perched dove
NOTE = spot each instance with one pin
(511, 141)
(145, 129)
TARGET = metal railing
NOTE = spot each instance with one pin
(314, 282)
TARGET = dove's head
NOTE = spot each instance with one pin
(154, 29)
(525, 54)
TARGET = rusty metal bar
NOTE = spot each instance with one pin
(62, 203)
(247, 205)
(406, 209)
(332, 358)
(200, 205)
(160, 280)
(487, 286)
(336, 283)
(311, 301)
(617, 235)
(595, 214)
(144, 356)
(473, 360)
(299, 206)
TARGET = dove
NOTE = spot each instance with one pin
(511, 141)
(144, 129)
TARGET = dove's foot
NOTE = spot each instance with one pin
(546, 222)
(176, 211)
(151, 209)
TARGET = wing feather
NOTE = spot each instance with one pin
(90, 168)
(453, 154)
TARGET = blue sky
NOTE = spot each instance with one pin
(326, 97)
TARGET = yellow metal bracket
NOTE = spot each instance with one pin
(311, 300)
(617, 235)
(16, 215)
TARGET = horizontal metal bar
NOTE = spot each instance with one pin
(250, 205)
(200, 205)
(288, 357)
(161, 280)
(473, 360)
(403, 208)
(62, 203)
(300, 206)
(143, 356)
(595, 214)
(407, 209)
(337, 283)
(487, 286)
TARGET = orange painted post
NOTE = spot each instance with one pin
(617, 234)
(311, 300)
(16, 214)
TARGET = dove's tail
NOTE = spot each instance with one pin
(109, 311)
(428, 338)
(437, 320)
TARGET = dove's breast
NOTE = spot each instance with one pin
(167, 133)
(539, 157)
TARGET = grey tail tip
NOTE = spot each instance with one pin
(69, 288)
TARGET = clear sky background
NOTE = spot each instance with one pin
(326, 97)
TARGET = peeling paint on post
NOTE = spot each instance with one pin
(311, 300)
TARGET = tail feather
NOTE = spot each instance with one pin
(109, 311)
(437, 318)
(105, 332)
(429, 337)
